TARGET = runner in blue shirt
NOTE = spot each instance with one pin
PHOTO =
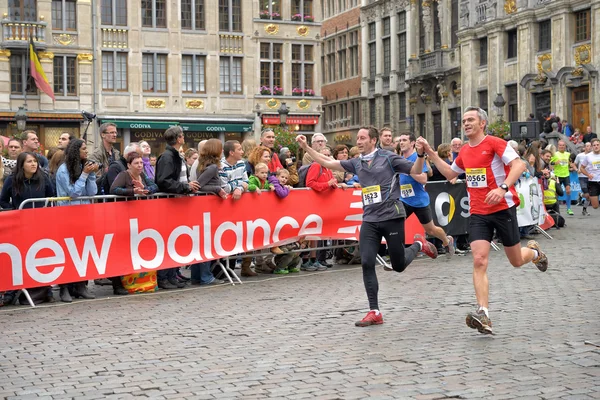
(415, 198)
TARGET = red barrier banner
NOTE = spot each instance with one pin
(47, 246)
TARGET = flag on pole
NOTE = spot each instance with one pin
(37, 72)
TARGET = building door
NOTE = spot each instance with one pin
(542, 105)
(581, 108)
(437, 128)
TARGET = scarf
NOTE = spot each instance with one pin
(369, 156)
(148, 169)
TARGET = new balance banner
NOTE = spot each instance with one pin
(449, 206)
(531, 210)
(47, 246)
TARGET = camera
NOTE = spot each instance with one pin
(88, 116)
(90, 162)
(293, 159)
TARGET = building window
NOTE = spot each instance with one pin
(271, 67)
(583, 26)
(331, 70)
(513, 103)
(22, 10)
(372, 51)
(421, 29)
(64, 15)
(402, 106)
(342, 64)
(193, 70)
(545, 35)
(114, 12)
(454, 22)
(330, 7)
(344, 114)
(230, 75)
(230, 15)
(483, 51)
(114, 71)
(21, 81)
(270, 9)
(154, 13)
(302, 69)
(372, 112)
(65, 76)
(401, 41)
(483, 100)
(512, 44)
(387, 51)
(437, 31)
(154, 72)
(303, 9)
(353, 53)
(355, 113)
(386, 109)
(456, 124)
(192, 14)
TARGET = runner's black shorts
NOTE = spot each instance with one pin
(566, 181)
(594, 188)
(423, 213)
(481, 227)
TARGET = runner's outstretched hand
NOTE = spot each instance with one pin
(301, 139)
(422, 146)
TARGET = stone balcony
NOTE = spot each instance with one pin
(231, 43)
(115, 38)
(16, 34)
(431, 62)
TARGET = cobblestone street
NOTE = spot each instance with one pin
(294, 336)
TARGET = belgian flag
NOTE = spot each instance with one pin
(37, 72)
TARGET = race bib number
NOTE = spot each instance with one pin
(371, 195)
(563, 163)
(406, 191)
(476, 177)
(596, 165)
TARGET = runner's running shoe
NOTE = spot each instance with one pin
(370, 319)
(478, 320)
(541, 261)
(569, 211)
(426, 247)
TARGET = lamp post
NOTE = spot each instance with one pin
(499, 102)
(283, 112)
(21, 118)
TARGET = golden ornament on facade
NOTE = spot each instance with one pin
(583, 54)
(342, 138)
(85, 58)
(303, 104)
(4, 54)
(412, 100)
(444, 46)
(195, 104)
(46, 55)
(413, 56)
(456, 92)
(64, 39)
(510, 6)
(544, 63)
(577, 72)
(302, 30)
(155, 103)
(426, 4)
(272, 29)
(272, 103)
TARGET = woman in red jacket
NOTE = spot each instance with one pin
(319, 178)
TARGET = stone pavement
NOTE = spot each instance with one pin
(294, 336)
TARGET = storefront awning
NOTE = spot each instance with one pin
(143, 124)
(187, 127)
(216, 127)
(291, 119)
(43, 117)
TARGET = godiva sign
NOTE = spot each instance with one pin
(160, 125)
(150, 135)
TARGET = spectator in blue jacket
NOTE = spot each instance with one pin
(26, 182)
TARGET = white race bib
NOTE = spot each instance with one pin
(596, 165)
(406, 191)
(476, 177)
(371, 195)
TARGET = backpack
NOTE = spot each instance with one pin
(103, 186)
(302, 172)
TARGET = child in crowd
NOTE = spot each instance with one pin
(258, 181)
(351, 180)
(279, 182)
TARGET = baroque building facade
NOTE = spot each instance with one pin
(411, 67)
(218, 68)
(540, 55)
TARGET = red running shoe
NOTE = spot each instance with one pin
(370, 319)
(426, 247)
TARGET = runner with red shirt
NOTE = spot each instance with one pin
(492, 167)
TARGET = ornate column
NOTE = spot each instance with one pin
(411, 34)
(5, 83)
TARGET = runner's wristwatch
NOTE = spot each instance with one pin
(504, 186)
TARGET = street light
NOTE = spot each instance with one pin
(21, 118)
(283, 112)
(500, 103)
